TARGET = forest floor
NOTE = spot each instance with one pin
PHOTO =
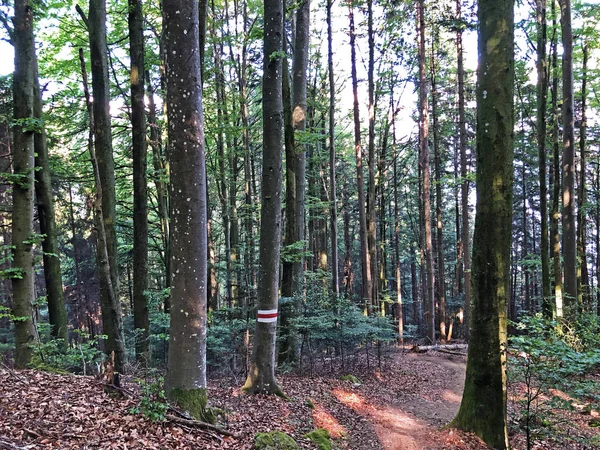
(401, 405)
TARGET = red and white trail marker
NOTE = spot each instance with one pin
(266, 315)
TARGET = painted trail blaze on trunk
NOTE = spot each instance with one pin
(261, 376)
(483, 407)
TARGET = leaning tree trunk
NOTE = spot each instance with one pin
(23, 188)
(57, 313)
(568, 164)
(261, 377)
(483, 406)
(185, 381)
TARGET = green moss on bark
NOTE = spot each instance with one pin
(194, 402)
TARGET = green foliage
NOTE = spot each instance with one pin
(153, 401)
(320, 437)
(81, 357)
(29, 124)
(275, 440)
(277, 55)
(12, 273)
(225, 338)
(295, 252)
(553, 354)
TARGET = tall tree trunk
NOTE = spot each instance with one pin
(106, 172)
(299, 116)
(185, 381)
(441, 275)
(424, 164)
(557, 305)
(464, 186)
(568, 191)
(542, 96)
(112, 322)
(332, 158)
(371, 202)
(261, 377)
(367, 279)
(141, 320)
(483, 406)
(23, 284)
(57, 313)
(582, 271)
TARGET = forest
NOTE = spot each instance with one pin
(296, 225)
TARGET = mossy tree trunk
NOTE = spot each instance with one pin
(185, 381)
(23, 188)
(261, 377)
(483, 407)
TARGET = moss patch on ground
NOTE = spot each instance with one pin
(320, 437)
(275, 440)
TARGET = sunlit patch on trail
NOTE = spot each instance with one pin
(323, 419)
(450, 396)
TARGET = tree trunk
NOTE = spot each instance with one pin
(367, 279)
(141, 321)
(568, 191)
(483, 406)
(371, 201)
(582, 271)
(424, 164)
(261, 377)
(441, 275)
(185, 381)
(542, 96)
(23, 188)
(57, 313)
(464, 186)
(557, 305)
(112, 322)
(332, 157)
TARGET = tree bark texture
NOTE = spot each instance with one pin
(429, 314)
(568, 163)
(483, 406)
(185, 381)
(23, 187)
(261, 377)
(141, 320)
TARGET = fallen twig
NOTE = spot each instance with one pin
(200, 424)
(5, 445)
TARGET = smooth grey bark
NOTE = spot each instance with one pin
(261, 376)
(23, 187)
(141, 321)
(483, 406)
(57, 312)
(185, 380)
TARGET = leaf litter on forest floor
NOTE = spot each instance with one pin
(399, 408)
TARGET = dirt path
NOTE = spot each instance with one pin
(410, 418)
